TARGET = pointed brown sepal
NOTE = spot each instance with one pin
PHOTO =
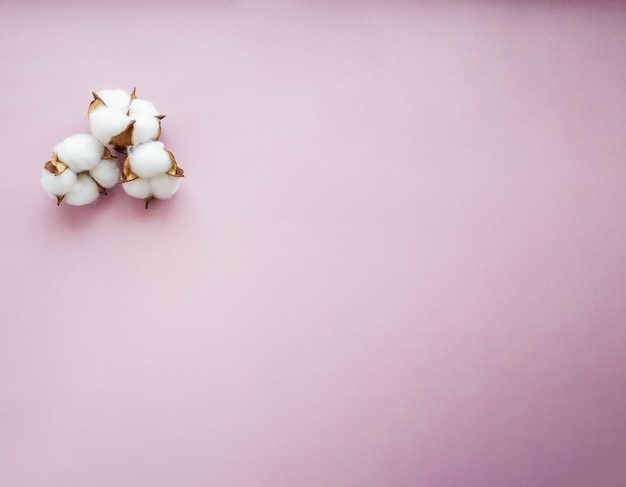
(159, 117)
(133, 94)
(148, 200)
(106, 154)
(97, 102)
(127, 173)
(125, 137)
(175, 170)
(60, 199)
(54, 166)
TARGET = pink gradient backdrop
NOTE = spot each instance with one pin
(398, 257)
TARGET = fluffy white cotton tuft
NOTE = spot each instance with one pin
(164, 186)
(85, 191)
(139, 106)
(106, 123)
(149, 159)
(106, 173)
(116, 99)
(146, 128)
(137, 188)
(80, 152)
(58, 185)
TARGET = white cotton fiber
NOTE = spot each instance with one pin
(139, 106)
(106, 123)
(80, 152)
(118, 100)
(164, 186)
(106, 173)
(58, 185)
(137, 188)
(85, 191)
(146, 128)
(149, 159)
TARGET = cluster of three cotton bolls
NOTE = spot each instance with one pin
(83, 167)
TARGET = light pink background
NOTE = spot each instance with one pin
(397, 259)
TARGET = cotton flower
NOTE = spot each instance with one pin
(151, 172)
(108, 118)
(79, 171)
(121, 119)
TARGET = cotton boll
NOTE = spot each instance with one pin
(140, 106)
(106, 123)
(138, 188)
(58, 185)
(164, 186)
(80, 152)
(146, 129)
(116, 99)
(106, 173)
(149, 159)
(85, 191)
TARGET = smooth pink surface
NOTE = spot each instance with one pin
(397, 259)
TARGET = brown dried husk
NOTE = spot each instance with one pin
(175, 170)
(125, 137)
(106, 154)
(97, 102)
(127, 173)
(160, 117)
(54, 166)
